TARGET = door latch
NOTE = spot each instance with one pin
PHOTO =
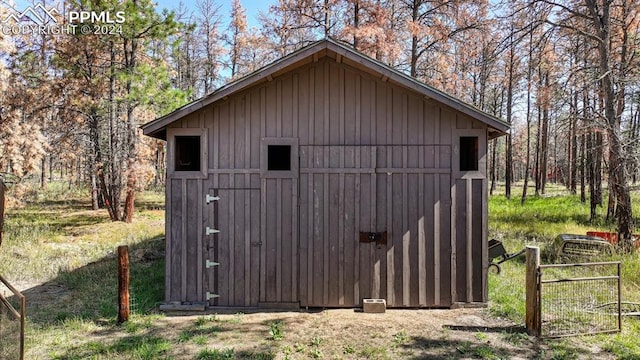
(380, 238)
(209, 198)
(210, 231)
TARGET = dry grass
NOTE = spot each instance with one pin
(46, 238)
(329, 334)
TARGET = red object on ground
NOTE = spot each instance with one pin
(613, 237)
(609, 236)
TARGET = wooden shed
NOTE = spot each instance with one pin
(321, 179)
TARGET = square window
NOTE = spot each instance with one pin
(279, 157)
(469, 153)
(187, 154)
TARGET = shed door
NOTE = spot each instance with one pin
(400, 189)
(279, 237)
(338, 199)
(236, 248)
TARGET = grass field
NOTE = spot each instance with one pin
(62, 253)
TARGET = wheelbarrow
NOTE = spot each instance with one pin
(498, 254)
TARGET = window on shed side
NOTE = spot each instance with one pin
(279, 157)
(187, 157)
(469, 153)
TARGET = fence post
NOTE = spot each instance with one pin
(123, 284)
(532, 320)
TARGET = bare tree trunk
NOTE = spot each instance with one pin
(95, 163)
(544, 142)
(573, 147)
(583, 196)
(508, 174)
(130, 62)
(356, 22)
(159, 166)
(3, 189)
(586, 144)
(526, 166)
(130, 199)
(50, 167)
(537, 155)
(414, 40)
(79, 172)
(528, 116)
(112, 192)
(43, 174)
(599, 149)
(508, 166)
(611, 206)
(592, 186)
(633, 139)
(327, 26)
(94, 192)
(600, 15)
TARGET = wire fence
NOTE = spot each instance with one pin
(579, 299)
(11, 322)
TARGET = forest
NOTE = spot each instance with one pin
(564, 74)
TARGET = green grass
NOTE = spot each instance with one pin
(536, 223)
(374, 352)
(539, 219)
(276, 330)
(625, 345)
(196, 333)
(400, 338)
(132, 347)
(216, 354)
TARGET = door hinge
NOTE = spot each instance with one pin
(209, 198)
(210, 231)
(212, 296)
(209, 264)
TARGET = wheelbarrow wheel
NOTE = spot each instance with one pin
(494, 268)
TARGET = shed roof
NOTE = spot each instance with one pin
(313, 52)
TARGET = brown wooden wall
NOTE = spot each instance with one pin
(373, 157)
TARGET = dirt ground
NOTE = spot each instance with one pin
(396, 334)
(470, 333)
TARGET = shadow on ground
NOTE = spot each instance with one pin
(91, 291)
(516, 345)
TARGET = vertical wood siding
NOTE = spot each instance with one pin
(237, 281)
(373, 157)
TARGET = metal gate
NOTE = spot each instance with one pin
(579, 299)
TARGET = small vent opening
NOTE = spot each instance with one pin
(279, 157)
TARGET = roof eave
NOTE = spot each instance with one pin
(155, 128)
(252, 79)
(411, 83)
